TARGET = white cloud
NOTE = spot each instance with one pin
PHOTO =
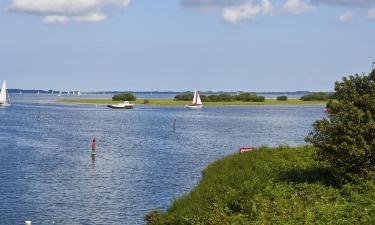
(346, 16)
(64, 11)
(247, 11)
(298, 7)
(371, 14)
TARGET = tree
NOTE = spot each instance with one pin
(124, 97)
(282, 98)
(345, 139)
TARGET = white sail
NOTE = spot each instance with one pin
(199, 101)
(195, 97)
(3, 94)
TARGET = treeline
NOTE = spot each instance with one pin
(245, 97)
(319, 96)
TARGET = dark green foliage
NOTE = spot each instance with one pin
(346, 138)
(146, 101)
(282, 98)
(184, 97)
(319, 96)
(124, 97)
(246, 97)
(271, 186)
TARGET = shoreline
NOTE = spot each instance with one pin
(170, 102)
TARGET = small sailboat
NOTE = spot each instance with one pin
(78, 93)
(38, 93)
(4, 98)
(59, 95)
(20, 92)
(197, 103)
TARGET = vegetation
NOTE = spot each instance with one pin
(146, 101)
(282, 98)
(319, 96)
(271, 186)
(169, 102)
(124, 97)
(346, 138)
(245, 97)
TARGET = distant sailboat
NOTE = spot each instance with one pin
(20, 92)
(78, 93)
(4, 98)
(197, 103)
(38, 93)
(59, 95)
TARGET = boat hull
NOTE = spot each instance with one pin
(193, 106)
(120, 107)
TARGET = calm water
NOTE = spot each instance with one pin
(47, 173)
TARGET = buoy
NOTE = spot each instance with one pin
(28, 222)
(246, 149)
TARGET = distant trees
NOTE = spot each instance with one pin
(282, 98)
(124, 97)
(245, 97)
(346, 138)
(319, 96)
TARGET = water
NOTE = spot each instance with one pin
(47, 173)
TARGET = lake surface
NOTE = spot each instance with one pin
(47, 173)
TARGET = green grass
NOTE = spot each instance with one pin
(271, 186)
(169, 102)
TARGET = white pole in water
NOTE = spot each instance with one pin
(28, 222)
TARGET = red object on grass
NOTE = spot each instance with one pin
(247, 149)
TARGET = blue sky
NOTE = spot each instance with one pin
(250, 45)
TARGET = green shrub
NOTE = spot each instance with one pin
(146, 101)
(346, 138)
(319, 96)
(246, 97)
(282, 98)
(124, 97)
(184, 97)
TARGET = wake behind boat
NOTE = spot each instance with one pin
(125, 105)
(4, 98)
(197, 103)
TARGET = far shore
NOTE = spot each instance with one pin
(170, 102)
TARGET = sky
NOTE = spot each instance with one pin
(178, 45)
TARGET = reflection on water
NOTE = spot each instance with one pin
(141, 162)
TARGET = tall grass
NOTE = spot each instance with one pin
(271, 186)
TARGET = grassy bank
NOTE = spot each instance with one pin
(271, 186)
(168, 102)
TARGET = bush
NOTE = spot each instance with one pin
(124, 97)
(319, 96)
(282, 98)
(346, 138)
(184, 97)
(246, 97)
(146, 101)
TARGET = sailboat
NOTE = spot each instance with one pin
(38, 93)
(20, 92)
(197, 103)
(4, 98)
(59, 95)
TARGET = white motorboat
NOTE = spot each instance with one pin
(197, 103)
(125, 105)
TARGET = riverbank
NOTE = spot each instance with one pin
(169, 102)
(271, 186)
